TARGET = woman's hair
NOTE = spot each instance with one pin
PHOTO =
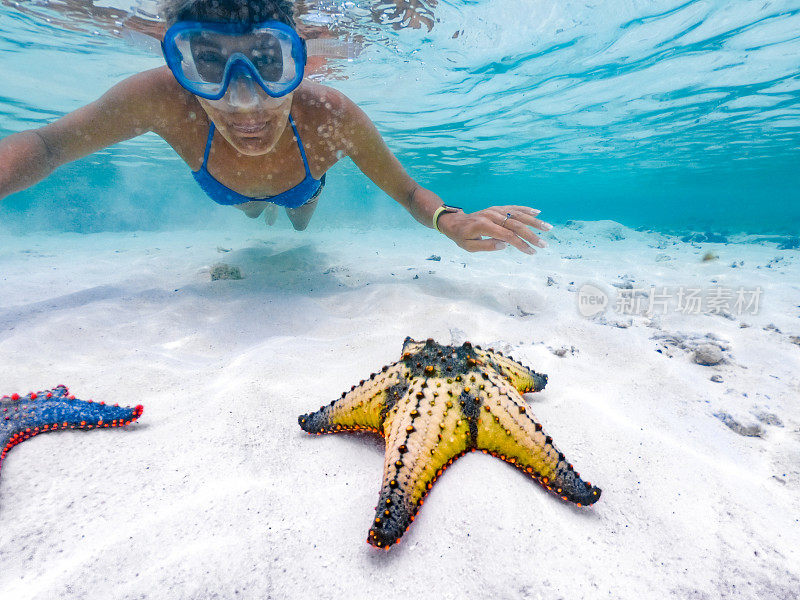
(228, 11)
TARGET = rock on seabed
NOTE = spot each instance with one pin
(708, 355)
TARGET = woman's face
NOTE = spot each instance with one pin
(249, 119)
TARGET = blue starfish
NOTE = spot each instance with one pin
(22, 417)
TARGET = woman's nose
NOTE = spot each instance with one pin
(243, 91)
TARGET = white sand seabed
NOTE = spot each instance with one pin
(217, 493)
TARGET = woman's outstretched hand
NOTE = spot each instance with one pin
(494, 227)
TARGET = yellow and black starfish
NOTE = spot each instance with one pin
(436, 404)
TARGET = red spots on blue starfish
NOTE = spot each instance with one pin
(433, 406)
(22, 417)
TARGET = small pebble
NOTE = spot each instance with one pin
(708, 355)
(563, 350)
(716, 378)
(769, 418)
(223, 271)
(752, 429)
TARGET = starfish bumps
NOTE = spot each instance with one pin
(22, 417)
(436, 404)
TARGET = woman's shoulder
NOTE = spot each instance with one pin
(157, 91)
(155, 84)
(324, 110)
(160, 84)
(321, 102)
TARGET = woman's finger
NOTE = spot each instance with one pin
(486, 245)
(522, 230)
(527, 219)
(505, 234)
(523, 210)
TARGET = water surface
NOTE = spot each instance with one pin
(657, 113)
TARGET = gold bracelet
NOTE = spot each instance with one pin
(440, 210)
(436, 215)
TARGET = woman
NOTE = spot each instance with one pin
(233, 104)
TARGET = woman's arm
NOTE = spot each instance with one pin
(125, 111)
(24, 160)
(487, 229)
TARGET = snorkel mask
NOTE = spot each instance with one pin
(206, 57)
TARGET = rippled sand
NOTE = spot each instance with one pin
(216, 492)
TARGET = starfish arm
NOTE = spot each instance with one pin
(425, 432)
(437, 403)
(22, 417)
(521, 377)
(505, 429)
(411, 346)
(363, 407)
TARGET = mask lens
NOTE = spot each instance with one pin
(267, 58)
(207, 55)
(209, 60)
(202, 63)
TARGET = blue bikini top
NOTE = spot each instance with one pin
(291, 198)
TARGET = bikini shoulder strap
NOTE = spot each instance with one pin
(208, 144)
(300, 145)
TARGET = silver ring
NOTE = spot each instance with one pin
(508, 216)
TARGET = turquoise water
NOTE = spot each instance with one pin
(673, 115)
